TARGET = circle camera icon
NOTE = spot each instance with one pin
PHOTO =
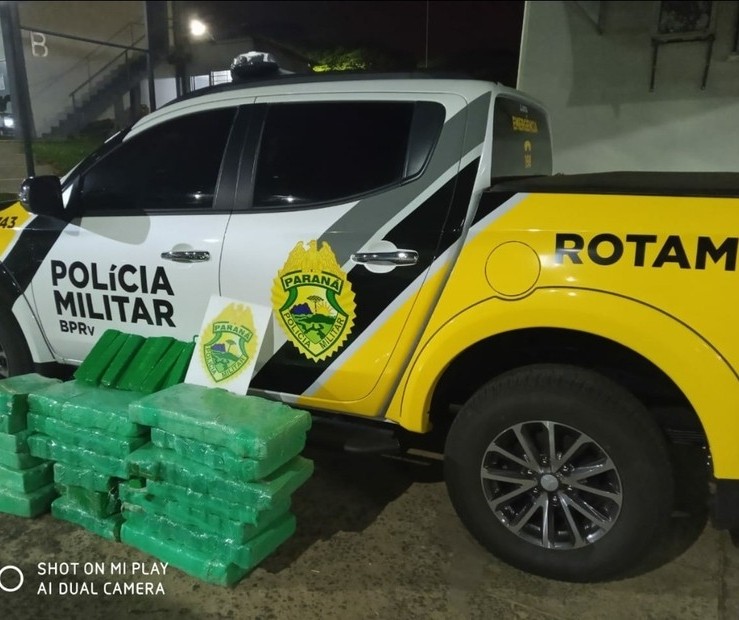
(15, 569)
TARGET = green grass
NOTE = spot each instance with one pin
(63, 155)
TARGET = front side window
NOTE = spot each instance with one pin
(174, 165)
(330, 151)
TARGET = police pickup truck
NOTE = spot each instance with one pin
(426, 276)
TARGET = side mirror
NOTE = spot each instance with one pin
(42, 195)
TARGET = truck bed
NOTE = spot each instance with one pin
(713, 184)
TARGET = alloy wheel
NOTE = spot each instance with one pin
(551, 485)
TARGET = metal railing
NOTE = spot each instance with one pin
(126, 50)
(91, 77)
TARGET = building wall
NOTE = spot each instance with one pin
(4, 82)
(59, 66)
(596, 87)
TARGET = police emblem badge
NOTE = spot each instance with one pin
(228, 343)
(314, 301)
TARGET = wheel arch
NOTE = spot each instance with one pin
(515, 349)
(647, 351)
(14, 302)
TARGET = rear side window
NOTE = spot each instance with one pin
(521, 142)
(331, 151)
(174, 165)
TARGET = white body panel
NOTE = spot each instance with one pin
(107, 273)
(255, 248)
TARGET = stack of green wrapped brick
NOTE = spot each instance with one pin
(220, 472)
(26, 487)
(83, 424)
(213, 472)
(84, 431)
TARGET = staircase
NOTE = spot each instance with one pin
(91, 103)
(13, 166)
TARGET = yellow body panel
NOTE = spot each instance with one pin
(704, 299)
(652, 299)
(408, 321)
(688, 360)
(12, 220)
(373, 353)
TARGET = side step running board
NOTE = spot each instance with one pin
(354, 437)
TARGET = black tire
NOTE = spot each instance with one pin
(631, 490)
(15, 358)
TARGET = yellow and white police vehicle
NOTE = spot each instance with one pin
(425, 274)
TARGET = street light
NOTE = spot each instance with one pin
(198, 28)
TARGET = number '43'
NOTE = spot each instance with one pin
(8, 222)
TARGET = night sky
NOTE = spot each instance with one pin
(481, 38)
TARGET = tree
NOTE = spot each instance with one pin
(362, 59)
(340, 59)
(316, 299)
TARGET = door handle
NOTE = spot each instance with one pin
(398, 258)
(189, 256)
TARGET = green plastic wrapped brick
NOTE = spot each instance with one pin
(27, 504)
(246, 555)
(222, 459)
(50, 400)
(157, 464)
(13, 423)
(85, 478)
(122, 360)
(100, 356)
(179, 369)
(18, 460)
(104, 409)
(107, 527)
(26, 480)
(98, 503)
(45, 447)
(14, 442)
(247, 425)
(171, 369)
(146, 359)
(100, 408)
(194, 563)
(202, 516)
(211, 509)
(87, 438)
(131, 362)
(14, 392)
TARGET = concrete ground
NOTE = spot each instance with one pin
(377, 538)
